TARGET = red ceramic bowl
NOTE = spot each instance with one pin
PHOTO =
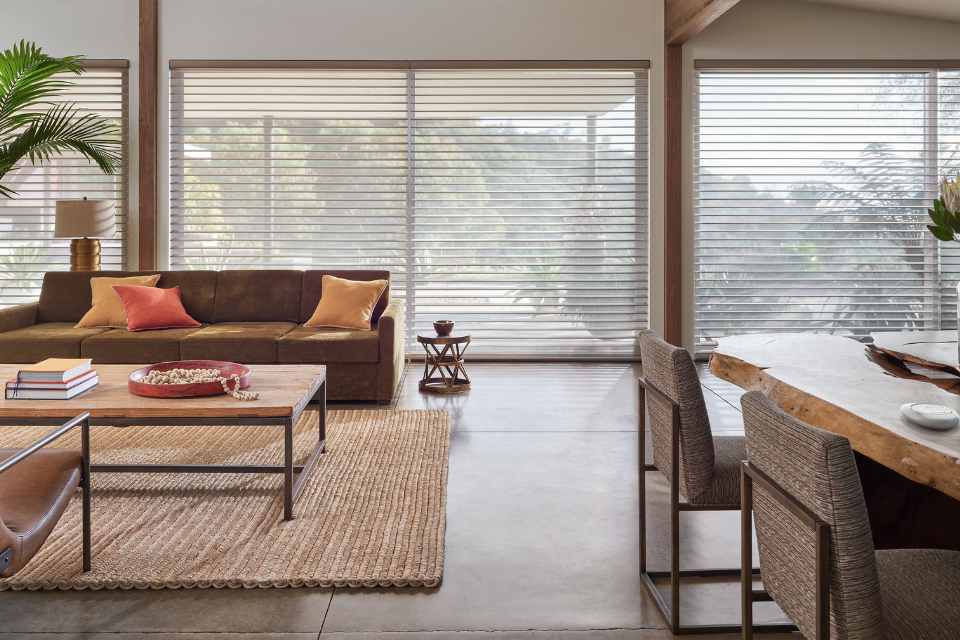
(193, 390)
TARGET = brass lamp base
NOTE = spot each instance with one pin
(85, 254)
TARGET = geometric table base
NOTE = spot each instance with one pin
(443, 369)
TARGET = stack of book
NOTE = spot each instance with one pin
(52, 379)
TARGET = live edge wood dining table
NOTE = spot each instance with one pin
(910, 475)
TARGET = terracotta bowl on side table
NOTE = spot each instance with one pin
(193, 390)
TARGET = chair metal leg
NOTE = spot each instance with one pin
(746, 554)
(85, 489)
(642, 475)
(675, 522)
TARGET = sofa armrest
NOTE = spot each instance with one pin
(392, 330)
(18, 316)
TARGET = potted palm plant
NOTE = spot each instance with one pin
(34, 127)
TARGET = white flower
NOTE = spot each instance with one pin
(950, 192)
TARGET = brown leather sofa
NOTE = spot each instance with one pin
(248, 316)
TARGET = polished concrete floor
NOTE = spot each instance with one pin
(541, 535)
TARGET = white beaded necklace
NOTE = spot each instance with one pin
(193, 376)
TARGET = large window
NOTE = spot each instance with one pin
(27, 246)
(811, 192)
(512, 200)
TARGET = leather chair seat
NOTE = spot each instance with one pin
(246, 342)
(44, 340)
(33, 495)
(327, 345)
(119, 346)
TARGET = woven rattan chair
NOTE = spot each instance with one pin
(703, 470)
(36, 485)
(816, 551)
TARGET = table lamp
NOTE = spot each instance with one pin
(85, 221)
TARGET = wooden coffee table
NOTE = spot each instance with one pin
(285, 392)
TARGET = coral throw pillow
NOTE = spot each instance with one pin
(152, 308)
(346, 304)
(107, 310)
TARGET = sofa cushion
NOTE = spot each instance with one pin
(304, 345)
(258, 296)
(347, 304)
(313, 287)
(108, 309)
(44, 340)
(65, 296)
(197, 291)
(243, 342)
(154, 308)
(119, 346)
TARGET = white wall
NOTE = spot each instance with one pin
(95, 29)
(423, 30)
(788, 29)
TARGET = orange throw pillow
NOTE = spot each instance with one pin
(152, 308)
(107, 310)
(346, 304)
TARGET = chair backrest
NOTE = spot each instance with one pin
(818, 470)
(670, 370)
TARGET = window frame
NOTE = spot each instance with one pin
(122, 66)
(933, 110)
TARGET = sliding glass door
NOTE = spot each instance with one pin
(512, 200)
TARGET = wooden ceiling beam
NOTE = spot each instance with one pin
(683, 19)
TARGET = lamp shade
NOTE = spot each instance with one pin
(85, 219)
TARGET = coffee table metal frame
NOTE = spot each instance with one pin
(294, 476)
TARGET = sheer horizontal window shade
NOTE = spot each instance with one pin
(811, 191)
(513, 201)
(27, 246)
(289, 169)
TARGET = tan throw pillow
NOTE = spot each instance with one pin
(346, 304)
(107, 308)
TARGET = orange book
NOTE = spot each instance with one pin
(54, 370)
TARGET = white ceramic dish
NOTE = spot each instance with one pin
(930, 416)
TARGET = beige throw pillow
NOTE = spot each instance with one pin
(346, 304)
(107, 308)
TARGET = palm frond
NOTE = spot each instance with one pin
(29, 79)
(60, 130)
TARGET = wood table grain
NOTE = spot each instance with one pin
(831, 382)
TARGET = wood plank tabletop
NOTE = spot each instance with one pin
(285, 389)
(830, 382)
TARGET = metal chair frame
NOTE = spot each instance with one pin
(83, 421)
(748, 595)
(671, 610)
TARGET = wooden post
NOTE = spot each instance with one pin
(147, 145)
(673, 196)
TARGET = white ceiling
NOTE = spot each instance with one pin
(943, 9)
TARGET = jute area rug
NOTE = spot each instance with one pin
(373, 512)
